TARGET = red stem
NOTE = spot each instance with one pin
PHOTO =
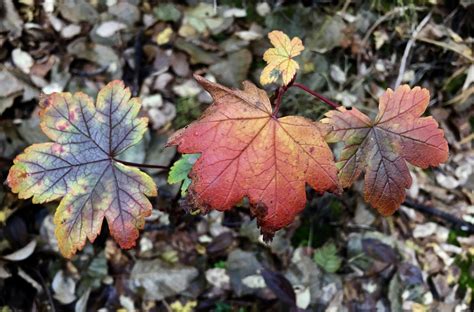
(279, 94)
(315, 94)
(140, 165)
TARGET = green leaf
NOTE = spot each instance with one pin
(167, 12)
(327, 258)
(180, 170)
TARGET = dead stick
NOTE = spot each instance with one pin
(137, 57)
(434, 212)
(408, 47)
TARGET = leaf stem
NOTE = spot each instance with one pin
(279, 94)
(140, 165)
(282, 90)
(317, 95)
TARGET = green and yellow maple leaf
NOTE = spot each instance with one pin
(279, 59)
(81, 167)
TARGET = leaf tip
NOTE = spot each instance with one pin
(15, 177)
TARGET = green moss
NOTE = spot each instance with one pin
(466, 280)
(188, 109)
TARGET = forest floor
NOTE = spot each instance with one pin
(339, 254)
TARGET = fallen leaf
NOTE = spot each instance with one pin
(11, 21)
(254, 281)
(78, 11)
(243, 266)
(22, 60)
(254, 33)
(263, 8)
(382, 146)
(64, 288)
(10, 88)
(22, 253)
(71, 31)
(234, 69)
(127, 303)
(164, 36)
(167, 12)
(197, 54)
(328, 35)
(4, 273)
(246, 152)
(218, 278)
(337, 74)
(180, 65)
(279, 59)
(303, 297)
(280, 286)
(189, 88)
(161, 280)
(100, 54)
(9, 84)
(126, 12)
(177, 306)
(109, 28)
(81, 167)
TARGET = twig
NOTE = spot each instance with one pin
(387, 16)
(447, 46)
(167, 306)
(382, 19)
(455, 221)
(138, 57)
(46, 290)
(317, 95)
(408, 47)
(345, 6)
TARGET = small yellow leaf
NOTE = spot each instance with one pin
(418, 307)
(164, 36)
(279, 59)
(179, 307)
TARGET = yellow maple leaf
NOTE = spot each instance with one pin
(164, 36)
(279, 59)
(177, 306)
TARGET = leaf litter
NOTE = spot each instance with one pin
(408, 261)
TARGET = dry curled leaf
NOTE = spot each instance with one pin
(279, 59)
(382, 147)
(247, 152)
(80, 166)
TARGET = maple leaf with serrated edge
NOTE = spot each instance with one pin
(247, 152)
(80, 167)
(279, 59)
(382, 147)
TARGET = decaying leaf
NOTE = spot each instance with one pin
(159, 279)
(382, 146)
(80, 166)
(247, 152)
(279, 59)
